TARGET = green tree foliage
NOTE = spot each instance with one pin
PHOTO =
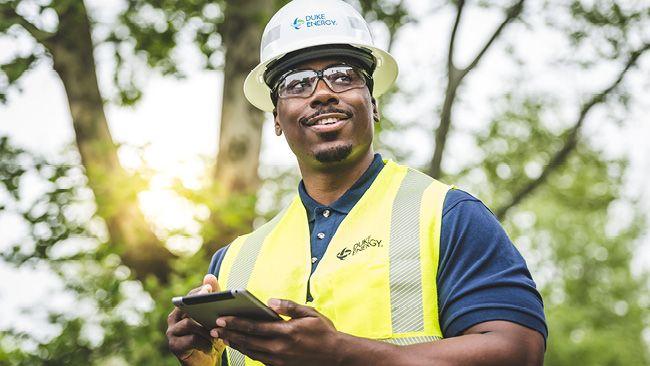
(144, 32)
(559, 197)
(123, 324)
(596, 309)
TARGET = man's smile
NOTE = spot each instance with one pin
(326, 122)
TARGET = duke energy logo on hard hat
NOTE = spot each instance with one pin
(298, 23)
(315, 20)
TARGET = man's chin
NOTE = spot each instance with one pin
(333, 154)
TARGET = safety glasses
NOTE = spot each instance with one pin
(302, 83)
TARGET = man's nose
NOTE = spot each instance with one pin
(323, 95)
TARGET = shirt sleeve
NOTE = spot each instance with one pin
(481, 275)
(217, 258)
(215, 265)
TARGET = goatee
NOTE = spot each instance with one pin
(333, 154)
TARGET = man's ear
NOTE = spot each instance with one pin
(276, 122)
(375, 109)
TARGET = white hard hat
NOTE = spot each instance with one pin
(303, 24)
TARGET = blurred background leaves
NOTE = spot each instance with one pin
(560, 197)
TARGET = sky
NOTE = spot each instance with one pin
(176, 122)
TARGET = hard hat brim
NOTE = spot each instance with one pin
(259, 94)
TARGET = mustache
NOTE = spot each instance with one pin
(325, 111)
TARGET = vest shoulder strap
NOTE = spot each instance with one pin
(404, 254)
(243, 264)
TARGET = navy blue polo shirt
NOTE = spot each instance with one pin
(481, 274)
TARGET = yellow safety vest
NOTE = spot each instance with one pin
(377, 278)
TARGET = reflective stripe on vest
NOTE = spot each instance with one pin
(404, 256)
(242, 268)
(411, 340)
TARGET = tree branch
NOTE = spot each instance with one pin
(512, 13)
(9, 13)
(452, 38)
(572, 136)
(455, 77)
(453, 81)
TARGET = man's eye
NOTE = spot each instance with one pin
(341, 78)
(298, 85)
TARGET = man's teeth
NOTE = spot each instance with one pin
(327, 121)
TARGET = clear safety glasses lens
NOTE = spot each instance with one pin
(302, 83)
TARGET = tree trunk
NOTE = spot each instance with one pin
(114, 190)
(435, 167)
(236, 177)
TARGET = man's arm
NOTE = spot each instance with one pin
(497, 343)
(481, 276)
(309, 338)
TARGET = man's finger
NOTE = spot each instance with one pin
(248, 341)
(189, 342)
(211, 280)
(253, 327)
(204, 289)
(175, 316)
(292, 309)
(190, 326)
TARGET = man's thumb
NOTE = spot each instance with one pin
(292, 309)
(211, 280)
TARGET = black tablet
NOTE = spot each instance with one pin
(206, 308)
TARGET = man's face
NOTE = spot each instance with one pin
(327, 127)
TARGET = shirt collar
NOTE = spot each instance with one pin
(350, 198)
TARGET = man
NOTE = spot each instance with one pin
(374, 263)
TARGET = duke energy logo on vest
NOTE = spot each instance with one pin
(309, 21)
(358, 247)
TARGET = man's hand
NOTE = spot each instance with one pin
(308, 338)
(190, 342)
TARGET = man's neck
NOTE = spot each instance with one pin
(327, 186)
